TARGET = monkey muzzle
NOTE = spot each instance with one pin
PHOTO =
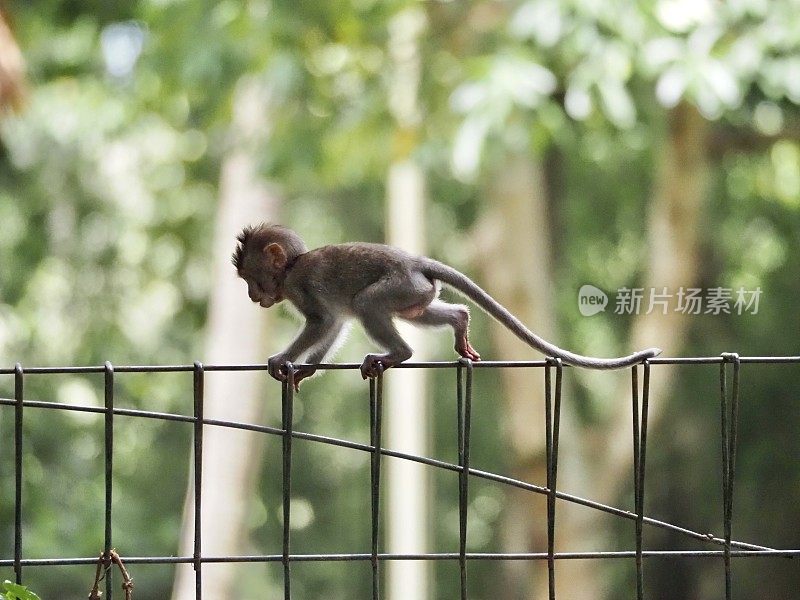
(266, 301)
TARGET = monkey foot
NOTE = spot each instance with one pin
(374, 365)
(465, 349)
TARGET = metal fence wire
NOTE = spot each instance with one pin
(724, 548)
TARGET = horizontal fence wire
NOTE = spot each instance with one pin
(729, 365)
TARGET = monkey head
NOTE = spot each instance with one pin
(262, 258)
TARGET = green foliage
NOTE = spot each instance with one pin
(13, 591)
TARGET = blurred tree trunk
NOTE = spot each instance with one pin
(515, 240)
(407, 415)
(406, 390)
(678, 199)
(235, 334)
(12, 69)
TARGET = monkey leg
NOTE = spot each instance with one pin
(382, 330)
(379, 326)
(400, 294)
(439, 314)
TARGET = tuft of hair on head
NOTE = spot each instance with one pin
(237, 258)
(263, 234)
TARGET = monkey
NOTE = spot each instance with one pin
(373, 283)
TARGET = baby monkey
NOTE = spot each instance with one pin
(373, 283)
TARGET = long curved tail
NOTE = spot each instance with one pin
(448, 275)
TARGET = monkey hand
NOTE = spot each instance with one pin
(276, 366)
(302, 373)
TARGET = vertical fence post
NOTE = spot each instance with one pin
(109, 463)
(375, 418)
(19, 380)
(287, 402)
(639, 449)
(552, 427)
(729, 417)
(198, 387)
(464, 411)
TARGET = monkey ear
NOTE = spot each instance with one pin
(275, 255)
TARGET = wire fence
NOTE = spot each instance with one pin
(723, 548)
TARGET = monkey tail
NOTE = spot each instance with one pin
(448, 275)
